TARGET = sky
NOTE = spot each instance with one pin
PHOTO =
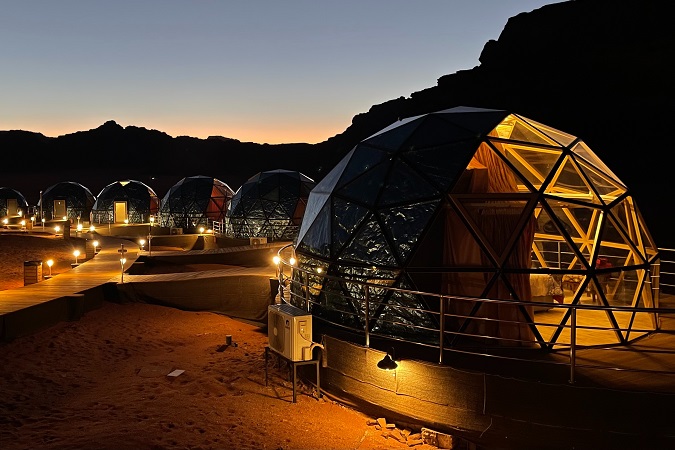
(259, 71)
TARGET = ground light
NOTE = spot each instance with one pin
(76, 253)
(141, 242)
(50, 263)
(122, 262)
(387, 363)
(95, 246)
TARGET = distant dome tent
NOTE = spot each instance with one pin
(473, 204)
(128, 201)
(195, 201)
(66, 199)
(269, 204)
(12, 202)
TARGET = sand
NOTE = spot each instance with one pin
(103, 382)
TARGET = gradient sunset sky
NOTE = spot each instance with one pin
(260, 71)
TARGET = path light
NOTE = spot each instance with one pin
(291, 261)
(141, 242)
(57, 230)
(23, 224)
(201, 230)
(76, 253)
(50, 263)
(122, 262)
(95, 246)
(152, 221)
(388, 363)
(43, 222)
(126, 221)
(5, 222)
(92, 228)
(32, 221)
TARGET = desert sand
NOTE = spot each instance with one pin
(103, 382)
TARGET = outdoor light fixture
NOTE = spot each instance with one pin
(126, 221)
(319, 270)
(57, 229)
(152, 221)
(276, 260)
(65, 218)
(50, 263)
(43, 223)
(95, 246)
(122, 262)
(23, 224)
(201, 230)
(91, 228)
(142, 243)
(291, 261)
(76, 253)
(5, 221)
(79, 227)
(388, 363)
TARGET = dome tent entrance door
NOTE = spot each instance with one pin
(120, 212)
(60, 208)
(12, 207)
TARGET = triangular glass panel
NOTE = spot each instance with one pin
(315, 204)
(551, 248)
(569, 183)
(533, 163)
(435, 131)
(606, 187)
(556, 136)
(583, 221)
(315, 235)
(615, 247)
(366, 187)
(406, 225)
(444, 164)
(499, 220)
(346, 218)
(369, 246)
(522, 131)
(478, 122)
(405, 186)
(392, 137)
(363, 159)
(581, 149)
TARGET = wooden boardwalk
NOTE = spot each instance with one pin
(65, 296)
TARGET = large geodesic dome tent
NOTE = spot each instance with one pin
(128, 201)
(12, 202)
(476, 203)
(194, 201)
(66, 199)
(269, 204)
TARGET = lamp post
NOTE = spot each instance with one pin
(50, 263)
(76, 253)
(122, 262)
(141, 242)
(95, 247)
(42, 220)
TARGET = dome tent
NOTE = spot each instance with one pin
(269, 204)
(195, 200)
(476, 203)
(66, 199)
(12, 202)
(130, 200)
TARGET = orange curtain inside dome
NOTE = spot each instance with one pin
(487, 173)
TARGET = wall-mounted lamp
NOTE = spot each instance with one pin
(388, 363)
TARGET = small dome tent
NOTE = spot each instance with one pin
(468, 204)
(12, 202)
(128, 201)
(194, 201)
(66, 199)
(270, 204)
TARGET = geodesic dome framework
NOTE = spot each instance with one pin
(476, 203)
(130, 200)
(12, 202)
(66, 198)
(194, 201)
(270, 204)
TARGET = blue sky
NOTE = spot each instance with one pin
(260, 71)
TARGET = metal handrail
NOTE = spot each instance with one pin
(286, 282)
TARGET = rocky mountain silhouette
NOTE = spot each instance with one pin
(598, 69)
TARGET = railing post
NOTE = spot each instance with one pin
(442, 331)
(573, 344)
(367, 315)
(306, 289)
(281, 282)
